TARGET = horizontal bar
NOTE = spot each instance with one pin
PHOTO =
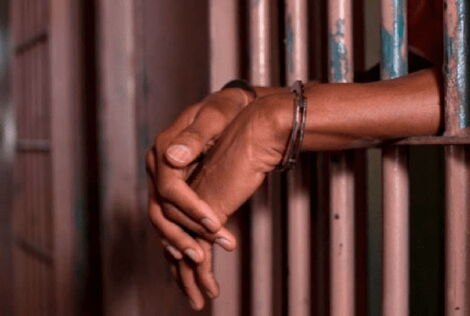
(33, 145)
(33, 249)
(31, 42)
(430, 140)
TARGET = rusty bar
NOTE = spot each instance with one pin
(457, 68)
(224, 66)
(119, 160)
(342, 239)
(457, 173)
(261, 216)
(298, 211)
(7, 156)
(394, 63)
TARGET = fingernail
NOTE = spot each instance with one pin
(191, 254)
(209, 294)
(209, 224)
(174, 252)
(179, 153)
(224, 242)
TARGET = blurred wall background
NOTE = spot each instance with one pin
(84, 87)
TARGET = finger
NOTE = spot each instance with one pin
(223, 237)
(196, 137)
(204, 271)
(175, 235)
(178, 192)
(173, 264)
(175, 253)
(191, 288)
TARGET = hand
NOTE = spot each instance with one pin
(170, 162)
(250, 147)
(197, 279)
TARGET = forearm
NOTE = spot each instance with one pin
(354, 115)
(264, 91)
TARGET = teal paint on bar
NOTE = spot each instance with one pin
(456, 61)
(289, 41)
(463, 68)
(339, 67)
(394, 64)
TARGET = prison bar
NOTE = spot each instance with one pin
(457, 174)
(395, 186)
(224, 66)
(342, 243)
(261, 215)
(298, 210)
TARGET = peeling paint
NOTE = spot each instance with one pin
(289, 41)
(457, 69)
(339, 67)
(462, 68)
(394, 64)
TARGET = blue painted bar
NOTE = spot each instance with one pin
(342, 191)
(456, 74)
(394, 59)
(394, 64)
(456, 67)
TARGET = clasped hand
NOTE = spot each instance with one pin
(190, 198)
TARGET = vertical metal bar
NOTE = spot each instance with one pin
(457, 205)
(457, 104)
(261, 217)
(342, 244)
(224, 66)
(65, 87)
(119, 162)
(298, 212)
(395, 174)
(457, 67)
(7, 152)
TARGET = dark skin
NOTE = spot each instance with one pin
(245, 139)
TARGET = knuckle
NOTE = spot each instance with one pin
(215, 115)
(191, 135)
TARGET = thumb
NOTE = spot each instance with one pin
(192, 141)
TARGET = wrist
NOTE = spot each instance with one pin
(276, 114)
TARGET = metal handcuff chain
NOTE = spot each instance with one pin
(294, 145)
